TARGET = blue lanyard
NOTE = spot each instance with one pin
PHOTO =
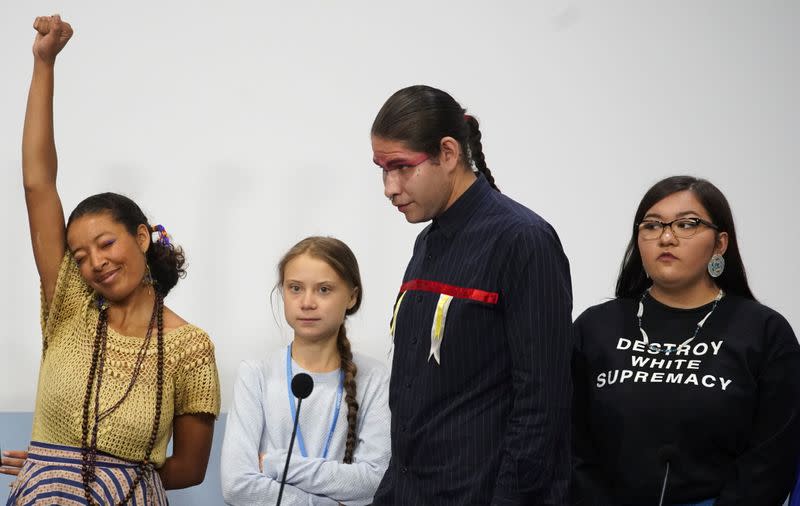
(300, 442)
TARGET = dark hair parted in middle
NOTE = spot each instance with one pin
(421, 116)
(165, 261)
(341, 259)
(633, 280)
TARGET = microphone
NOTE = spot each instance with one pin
(302, 385)
(666, 455)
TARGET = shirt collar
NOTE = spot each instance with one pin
(458, 214)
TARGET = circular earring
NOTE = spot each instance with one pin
(716, 265)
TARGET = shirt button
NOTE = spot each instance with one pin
(419, 298)
(404, 470)
(414, 341)
(430, 257)
(408, 384)
(402, 428)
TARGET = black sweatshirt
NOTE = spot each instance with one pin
(723, 409)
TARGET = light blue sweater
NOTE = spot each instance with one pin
(260, 421)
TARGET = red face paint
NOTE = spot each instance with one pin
(398, 161)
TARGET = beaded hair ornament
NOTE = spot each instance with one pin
(159, 234)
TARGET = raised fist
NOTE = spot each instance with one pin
(51, 37)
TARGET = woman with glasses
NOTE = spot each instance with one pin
(687, 389)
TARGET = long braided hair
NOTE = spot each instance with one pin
(421, 116)
(342, 260)
(164, 267)
(94, 383)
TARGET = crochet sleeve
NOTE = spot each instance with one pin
(196, 378)
(71, 299)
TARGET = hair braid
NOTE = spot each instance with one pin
(350, 370)
(89, 449)
(476, 149)
(87, 469)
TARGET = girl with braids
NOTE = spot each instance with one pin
(342, 445)
(479, 408)
(120, 372)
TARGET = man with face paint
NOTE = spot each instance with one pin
(480, 387)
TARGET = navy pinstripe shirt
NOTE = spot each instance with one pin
(489, 424)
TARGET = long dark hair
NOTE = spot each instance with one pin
(633, 280)
(421, 116)
(165, 262)
(341, 259)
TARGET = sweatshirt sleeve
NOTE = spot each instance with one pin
(764, 472)
(243, 484)
(356, 483)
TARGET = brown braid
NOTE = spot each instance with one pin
(102, 328)
(350, 370)
(476, 149)
(94, 382)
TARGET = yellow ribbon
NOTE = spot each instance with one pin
(394, 314)
(437, 329)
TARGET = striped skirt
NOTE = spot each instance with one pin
(52, 475)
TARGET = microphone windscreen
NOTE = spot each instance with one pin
(302, 385)
(667, 453)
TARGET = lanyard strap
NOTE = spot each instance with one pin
(300, 442)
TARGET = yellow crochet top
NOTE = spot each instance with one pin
(191, 382)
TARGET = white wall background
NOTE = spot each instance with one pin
(243, 126)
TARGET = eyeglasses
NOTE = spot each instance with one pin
(683, 228)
